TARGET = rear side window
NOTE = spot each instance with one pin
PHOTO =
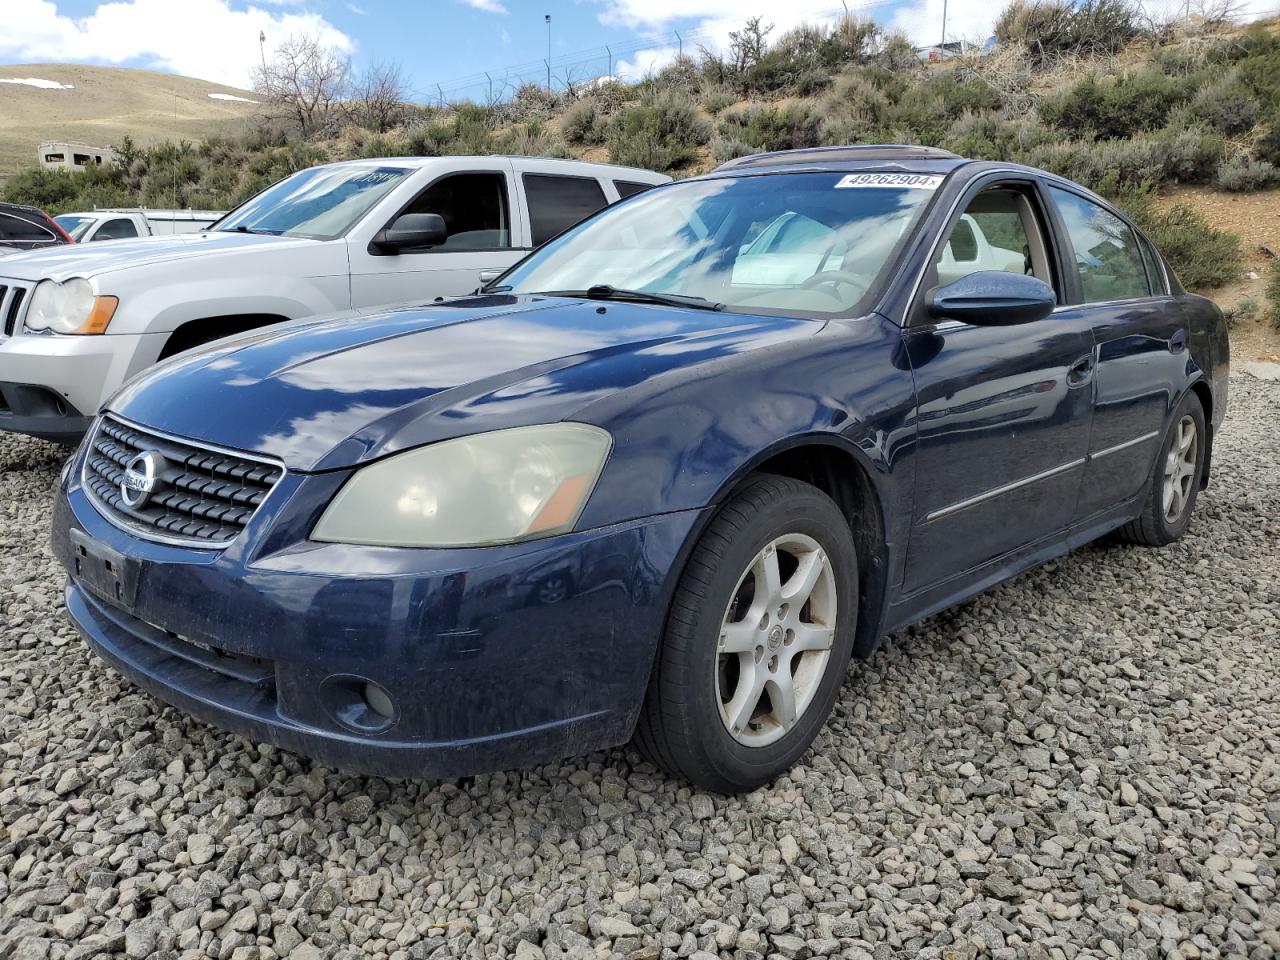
(1155, 277)
(1108, 256)
(629, 188)
(22, 231)
(118, 229)
(557, 203)
(474, 209)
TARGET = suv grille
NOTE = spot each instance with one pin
(11, 297)
(201, 496)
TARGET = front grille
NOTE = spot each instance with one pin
(200, 495)
(11, 297)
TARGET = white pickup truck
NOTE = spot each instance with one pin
(126, 224)
(77, 322)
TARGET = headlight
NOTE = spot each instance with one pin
(491, 488)
(69, 307)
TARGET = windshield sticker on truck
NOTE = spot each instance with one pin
(912, 181)
(381, 175)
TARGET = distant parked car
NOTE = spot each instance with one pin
(334, 238)
(129, 224)
(661, 480)
(29, 228)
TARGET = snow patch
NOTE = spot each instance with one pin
(227, 96)
(38, 83)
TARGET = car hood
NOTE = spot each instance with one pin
(326, 394)
(100, 257)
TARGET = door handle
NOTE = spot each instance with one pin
(1080, 372)
(488, 276)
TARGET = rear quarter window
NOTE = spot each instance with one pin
(556, 203)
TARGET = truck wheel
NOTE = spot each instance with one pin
(757, 641)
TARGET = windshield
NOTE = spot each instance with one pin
(320, 203)
(799, 244)
(76, 227)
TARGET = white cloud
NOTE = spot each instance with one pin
(197, 38)
(966, 20)
(358, 10)
(488, 6)
(642, 63)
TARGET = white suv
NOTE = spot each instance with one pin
(77, 322)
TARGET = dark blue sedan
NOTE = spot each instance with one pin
(657, 483)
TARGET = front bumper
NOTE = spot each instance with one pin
(51, 386)
(494, 658)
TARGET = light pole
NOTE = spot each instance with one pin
(548, 19)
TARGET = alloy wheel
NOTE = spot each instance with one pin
(775, 639)
(1180, 469)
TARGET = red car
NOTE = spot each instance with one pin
(28, 228)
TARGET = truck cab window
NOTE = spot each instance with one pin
(474, 208)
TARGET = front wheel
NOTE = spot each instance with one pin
(757, 641)
(1171, 494)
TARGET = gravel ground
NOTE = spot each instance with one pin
(1083, 763)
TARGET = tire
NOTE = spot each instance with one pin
(1162, 522)
(695, 687)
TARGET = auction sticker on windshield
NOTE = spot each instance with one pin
(916, 181)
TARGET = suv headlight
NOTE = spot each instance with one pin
(491, 488)
(69, 307)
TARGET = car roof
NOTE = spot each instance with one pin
(858, 157)
(22, 208)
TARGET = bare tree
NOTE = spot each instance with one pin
(379, 99)
(748, 46)
(307, 80)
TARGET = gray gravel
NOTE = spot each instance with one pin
(1083, 763)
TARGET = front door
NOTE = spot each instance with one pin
(479, 211)
(1003, 412)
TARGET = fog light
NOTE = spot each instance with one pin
(379, 701)
(359, 704)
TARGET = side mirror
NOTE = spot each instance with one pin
(412, 231)
(993, 298)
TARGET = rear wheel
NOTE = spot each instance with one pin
(757, 641)
(1171, 494)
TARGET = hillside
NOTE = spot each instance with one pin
(104, 104)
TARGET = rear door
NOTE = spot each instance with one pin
(1003, 412)
(1119, 288)
(477, 199)
(556, 200)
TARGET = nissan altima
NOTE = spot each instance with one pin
(659, 482)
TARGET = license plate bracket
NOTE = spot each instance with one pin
(104, 572)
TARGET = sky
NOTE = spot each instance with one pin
(444, 47)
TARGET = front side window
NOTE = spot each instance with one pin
(118, 229)
(557, 203)
(76, 227)
(321, 203)
(1108, 258)
(474, 208)
(998, 230)
(797, 244)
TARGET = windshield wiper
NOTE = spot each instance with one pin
(603, 291)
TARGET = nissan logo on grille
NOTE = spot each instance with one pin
(141, 474)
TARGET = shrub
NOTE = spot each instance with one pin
(532, 139)
(772, 128)
(1227, 106)
(1115, 107)
(1200, 255)
(1049, 28)
(716, 98)
(661, 133)
(1241, 174)
(1273, 294)
(1246, 309)
(724, 149)
(582, 123)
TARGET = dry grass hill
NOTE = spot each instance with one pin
(106, 103)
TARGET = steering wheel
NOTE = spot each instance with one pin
(836, 278)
